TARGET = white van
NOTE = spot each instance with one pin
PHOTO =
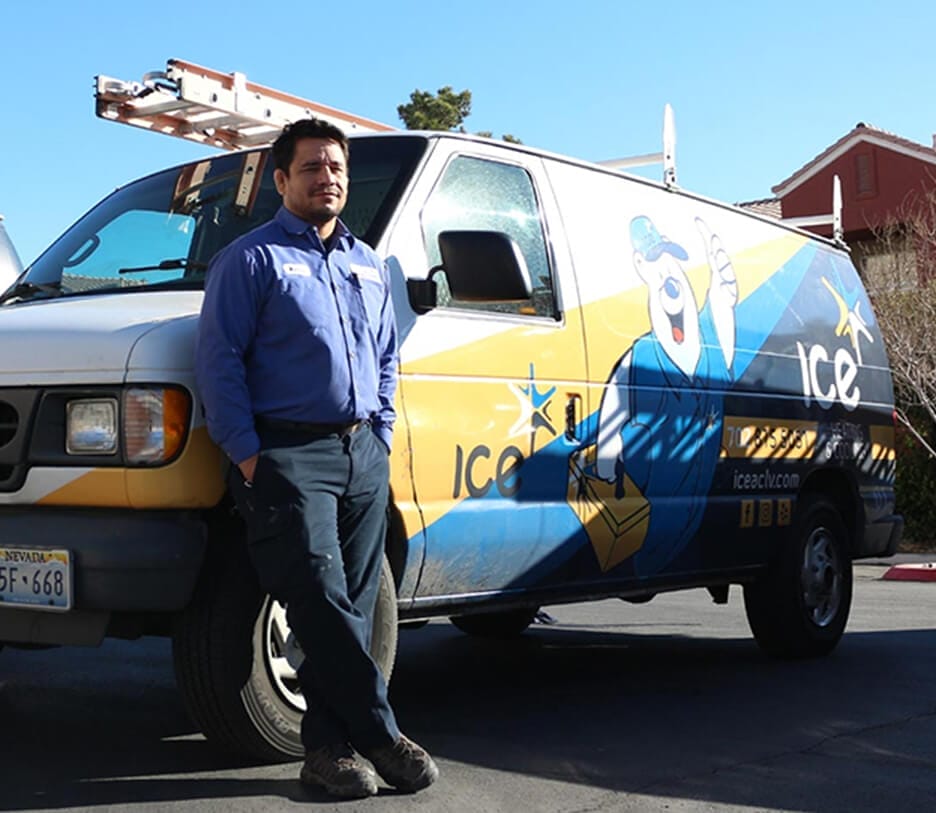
(607, 388)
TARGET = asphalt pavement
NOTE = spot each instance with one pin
(663, 706)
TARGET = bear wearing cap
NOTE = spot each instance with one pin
(660, 419)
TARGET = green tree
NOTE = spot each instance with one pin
(444, 110)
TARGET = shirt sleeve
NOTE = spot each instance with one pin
(226, 330)
(388, 361)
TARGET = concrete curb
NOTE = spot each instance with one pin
(912, 572)
(902, 567)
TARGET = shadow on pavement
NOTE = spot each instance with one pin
(652, 713)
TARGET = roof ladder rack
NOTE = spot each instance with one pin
(209, 107)
(834, 218)
(667, 158)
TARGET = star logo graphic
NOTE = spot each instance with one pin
(851, 323)
(534, 410)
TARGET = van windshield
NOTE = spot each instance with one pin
(161, 231)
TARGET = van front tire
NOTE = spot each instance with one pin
(229, 653)
(799, 607)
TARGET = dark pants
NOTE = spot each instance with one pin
(316, 523)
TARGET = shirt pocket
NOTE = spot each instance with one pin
(373, 294)
(303, 303)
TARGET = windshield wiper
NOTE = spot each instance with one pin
(27, 289)
(166, 265)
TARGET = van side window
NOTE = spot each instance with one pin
(477, 194)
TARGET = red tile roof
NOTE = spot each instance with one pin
(766, 206)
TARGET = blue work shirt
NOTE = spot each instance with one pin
(294, 331)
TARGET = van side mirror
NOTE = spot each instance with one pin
(484, 266)
(479, 266)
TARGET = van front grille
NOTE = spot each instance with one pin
(9, 422)
(17, 406)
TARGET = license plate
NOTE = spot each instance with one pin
(36, 579)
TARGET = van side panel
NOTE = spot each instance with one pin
(707, 368)
(732, 360)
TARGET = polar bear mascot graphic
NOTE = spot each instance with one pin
(641, 489)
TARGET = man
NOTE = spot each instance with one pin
(296, 364)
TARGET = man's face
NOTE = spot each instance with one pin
(316, 186)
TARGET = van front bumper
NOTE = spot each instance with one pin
(881, 537)
(121, 562)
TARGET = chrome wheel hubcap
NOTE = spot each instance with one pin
(275, 636)
(821, 578)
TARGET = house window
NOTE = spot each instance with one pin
(864, 172)
(887, 263)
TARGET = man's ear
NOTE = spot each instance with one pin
(279, 178)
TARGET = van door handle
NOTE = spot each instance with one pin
(573, 413)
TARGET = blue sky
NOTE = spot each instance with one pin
(758, 89)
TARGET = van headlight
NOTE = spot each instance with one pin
(152, 423)
(91, 426)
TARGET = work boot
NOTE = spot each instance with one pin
(404, 764)
(337, 769)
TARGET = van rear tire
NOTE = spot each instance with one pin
(799, 606)
(230, 662)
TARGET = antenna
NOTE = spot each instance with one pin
(669, 148)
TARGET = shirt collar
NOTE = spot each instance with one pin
(296, 225)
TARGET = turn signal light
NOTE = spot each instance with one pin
(155, 423)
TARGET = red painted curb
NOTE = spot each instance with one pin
(923, 572)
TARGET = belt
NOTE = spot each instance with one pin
(340, 429)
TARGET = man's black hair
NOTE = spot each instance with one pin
(284, 148)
